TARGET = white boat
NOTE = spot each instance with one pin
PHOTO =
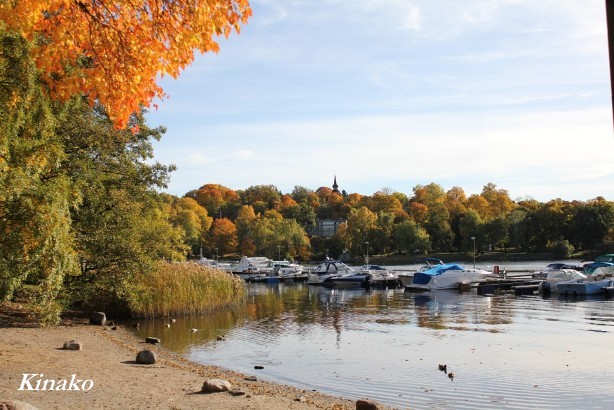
(249, 268)
(326, 270)
(407, 278)
(584, 287)
(356, 279)
(448, 276)
(380, 276)
(283, 269)
(554, 276)
(599, 277)
(211, 263)
(555, 267)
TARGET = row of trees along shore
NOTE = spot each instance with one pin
(261, 220)
(83, 222)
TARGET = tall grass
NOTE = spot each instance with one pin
(174, 289)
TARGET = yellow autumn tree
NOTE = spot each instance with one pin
(115, 51)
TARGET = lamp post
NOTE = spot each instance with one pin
(473, 239)
(278, 252)
(216, 255)
(367, 258)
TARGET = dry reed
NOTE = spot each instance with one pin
(174, 289)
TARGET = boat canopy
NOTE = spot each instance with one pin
(372, 267)
(602, 267)
(605, 258)
(565, 274)
(439, 269)
(430, 261)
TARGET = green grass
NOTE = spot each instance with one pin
(174, 289)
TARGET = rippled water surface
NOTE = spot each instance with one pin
(505, 351)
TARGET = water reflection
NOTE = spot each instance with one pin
(508, 352)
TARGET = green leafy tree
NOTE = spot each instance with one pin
(591, 223)
(471, 226)
(35, 198)
(193, 220)
(358, 229)
(411, 237)
(122, 226)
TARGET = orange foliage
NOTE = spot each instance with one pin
(114, 51)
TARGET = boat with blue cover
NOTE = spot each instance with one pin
(448, 276)
(406, 278)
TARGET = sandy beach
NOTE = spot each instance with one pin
(107, 359)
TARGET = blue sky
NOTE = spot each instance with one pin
(399, 93)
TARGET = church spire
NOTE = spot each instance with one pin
(335, 186)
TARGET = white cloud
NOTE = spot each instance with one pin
(398, 93)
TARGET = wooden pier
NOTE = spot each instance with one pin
(519, 286)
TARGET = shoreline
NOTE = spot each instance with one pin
(108, 360)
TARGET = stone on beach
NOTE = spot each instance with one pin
(16, 405)
(367, 405)
(216, 386)
(72, 345)
(152, 340)
(98, 318)
(146, 357)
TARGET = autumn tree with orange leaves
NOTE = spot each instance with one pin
(60, 158)
(115, 51)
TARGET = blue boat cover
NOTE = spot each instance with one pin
(422, 278)
(439, 269)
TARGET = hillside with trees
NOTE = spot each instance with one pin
(262, 220)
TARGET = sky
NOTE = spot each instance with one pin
(399, 93)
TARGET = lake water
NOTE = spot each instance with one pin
(505, 351)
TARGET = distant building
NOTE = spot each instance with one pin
(326, 228)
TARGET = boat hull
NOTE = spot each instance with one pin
(406, 280)
(348, 281)
(584, 288)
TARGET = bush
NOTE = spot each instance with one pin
(184, 289)
(562, 249)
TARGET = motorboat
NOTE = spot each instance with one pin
(599, 277)
(249, 268)
(555, 267)
(448, 276)
(553, 277)
(356, 279)
(283, 269)
(380, 276)
(327, 269)
(584, 287)
(605, 258)
(212, 263)
(407, 278)
(599, 268)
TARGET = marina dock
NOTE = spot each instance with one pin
(517, 285)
